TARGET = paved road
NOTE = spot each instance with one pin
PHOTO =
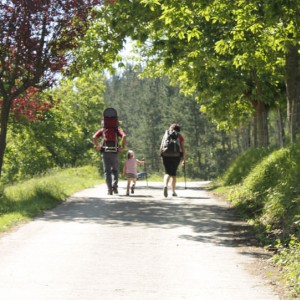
(137, 248)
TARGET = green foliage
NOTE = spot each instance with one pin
(25, 200)
(67, 132)
(289, 260)
(64, 136)
(243, 164)
(25, 156)
(270, 193)
(227, 64)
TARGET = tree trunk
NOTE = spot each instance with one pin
(237, 139)
(6, 104)
(254, 131)
(280, 129)
(293, 94)
(246, 141)
(261, 122)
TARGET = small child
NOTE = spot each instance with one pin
(130, 170)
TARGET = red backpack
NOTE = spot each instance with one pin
(110, 130)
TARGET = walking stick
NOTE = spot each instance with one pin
(184, 172)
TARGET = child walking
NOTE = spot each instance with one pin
(130, 170)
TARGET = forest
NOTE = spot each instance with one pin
(229, 79)
(146, 107)
(227, 71)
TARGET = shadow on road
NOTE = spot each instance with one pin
(209, 222)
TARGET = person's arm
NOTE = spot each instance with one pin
(123, 140)
(140, 162)
(96, 138)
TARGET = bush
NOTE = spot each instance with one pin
(268, 195)
(270, 192)
(288, 258)
(243, 165)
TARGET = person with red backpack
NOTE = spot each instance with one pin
(106, 140)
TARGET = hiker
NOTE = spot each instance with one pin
(108, 136)
(130, 170)
(172, 151)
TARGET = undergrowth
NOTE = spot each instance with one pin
(243, 165)
(264, 186)
(288, 257)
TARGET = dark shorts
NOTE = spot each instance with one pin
(130, 175)
(171, 165)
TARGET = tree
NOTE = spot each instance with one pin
(31, 106)
(225, 52)
(66, 131)
(60, 136)
(267, 36)
(35, 42)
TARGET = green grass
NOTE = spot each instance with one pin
(243, 164)
(23, 201)
(270, 193)
(266, 191)
(288, 258)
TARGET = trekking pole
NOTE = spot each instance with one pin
(184, 173)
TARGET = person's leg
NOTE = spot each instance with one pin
(176, 163)
(166, 182)
(128, 186)
(133, 185)
(166, 179)
(107, 171)
(166, 163)
(173, 185)
(115, 170)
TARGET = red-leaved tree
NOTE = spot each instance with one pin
(36, 39)
(31, 106)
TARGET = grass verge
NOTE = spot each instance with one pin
(23, 201)
(265, 190)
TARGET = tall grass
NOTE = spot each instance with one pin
(270, 193)
(25, 200)
(243, 164)
(266, 190)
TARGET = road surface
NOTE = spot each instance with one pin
(141, 247)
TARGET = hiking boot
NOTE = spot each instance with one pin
(127, 193)
(115, 189)
(174, 194)
(109, 192)
(132, 189)
(166, 191)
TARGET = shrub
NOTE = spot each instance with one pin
(243, 165)
(288, 258)
(268, 195)
(270, 192)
